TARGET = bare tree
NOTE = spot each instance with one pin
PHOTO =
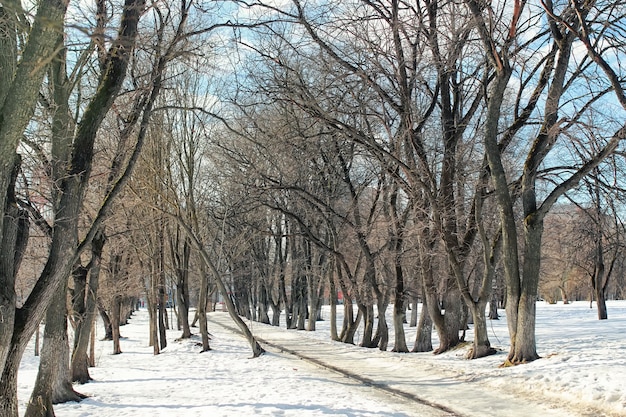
(500, 37)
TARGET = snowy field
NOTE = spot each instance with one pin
(583, 366)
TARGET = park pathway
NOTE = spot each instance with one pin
(433, 391)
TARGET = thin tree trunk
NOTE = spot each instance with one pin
(86, 316)
(115, 323)
(91, 359)
(414, 304)
(202, 303)
(333, 305)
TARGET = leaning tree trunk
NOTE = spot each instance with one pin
(106, 321)
(21, 83)
(53, 384)
(257, 350)
(14, 240)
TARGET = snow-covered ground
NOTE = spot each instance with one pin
(583, 366)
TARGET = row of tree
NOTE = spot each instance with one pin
(368, 153)
(425, 143)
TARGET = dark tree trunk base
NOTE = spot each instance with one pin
(519, 361)
(83, 379)
(68, 395)
(40, 407)
(477, 352)
(445, 346)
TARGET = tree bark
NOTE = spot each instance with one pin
(85, 316)
(423, 337)
(53, 384)
(21, 82)
(202, 303)
(181, 258)
(106, 320)
(332, 289)
(116, 306)
(14, 239)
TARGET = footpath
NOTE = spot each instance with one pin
(399, 375)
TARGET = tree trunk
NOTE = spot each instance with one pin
(350, 324)
(181, 258)
(333, 306)
(80, 370)
(522, 306)
(493, 305)
(14, 240)
(8, 382)
(153, 326)
(381, 339)
(423, 337)
(367, 311)
(481, 346)
(313, 300)
(601, 302)
(453, 317)
(447, 325)
(63, 252)
(399, 313)
(263, 303)
(106, 321)
(182, 295)
(91, 359)
(257, 350)
(302, 311)
(202, 303)
(85, 311)
(282, 288)
(21, 83)
(53, 384)
(115, 323)
(414, 304)
(275, 313)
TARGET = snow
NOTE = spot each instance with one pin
(582, 372)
